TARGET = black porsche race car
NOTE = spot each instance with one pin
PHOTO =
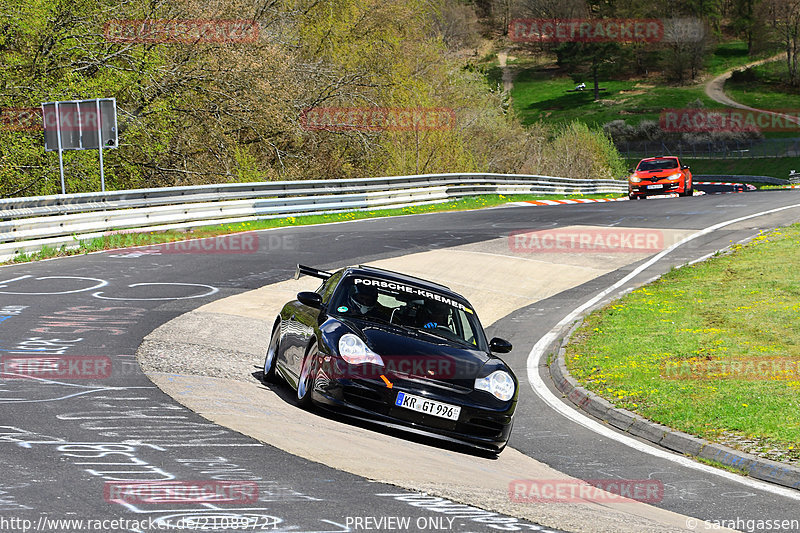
(398, 351)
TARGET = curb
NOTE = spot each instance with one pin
(576, 201)
(676, 441)
(741, 186)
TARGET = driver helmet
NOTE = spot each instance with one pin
(363, 297)
(435, 314)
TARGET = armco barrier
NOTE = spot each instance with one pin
(741, 178)
(28, 224)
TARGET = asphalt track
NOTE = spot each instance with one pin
(62, 441)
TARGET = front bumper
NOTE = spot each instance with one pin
(667, 187)
(484, 421)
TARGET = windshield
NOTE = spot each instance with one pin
(408, 306)
(658, 164)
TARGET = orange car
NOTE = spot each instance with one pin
(660, 175)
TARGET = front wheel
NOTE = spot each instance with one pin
(272, 354)
(305, 383)
(687, 189)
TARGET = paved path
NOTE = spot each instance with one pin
(715, 89)
(508, 73)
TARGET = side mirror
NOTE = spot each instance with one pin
(498, 345)
(311, 299)
(631, 170)
(685, 167)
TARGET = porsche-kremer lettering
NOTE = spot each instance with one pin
(410, 290)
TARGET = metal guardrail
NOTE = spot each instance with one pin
(742, 178)
(28, 224)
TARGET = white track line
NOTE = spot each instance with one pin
(541, 390)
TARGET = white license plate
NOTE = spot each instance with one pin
(657, 186)
(429, 407)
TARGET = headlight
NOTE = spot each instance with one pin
(353, 350)
(674, 176)
(499, 383)
(636, 179)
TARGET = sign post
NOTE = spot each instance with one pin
(80, 125)
(100, 147)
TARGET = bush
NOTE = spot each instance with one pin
(620, 131)
(576, 151)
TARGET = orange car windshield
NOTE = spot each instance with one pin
(659, 164)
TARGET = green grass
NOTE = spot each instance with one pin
(129, 238)
(733, 54)
(768, 91)
(540, 93)
(742, 306)
(537, 95)
(721, 466)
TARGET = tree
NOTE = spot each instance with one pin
(746, 20)
(785, 20)
(600, 59)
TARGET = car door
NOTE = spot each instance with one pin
(301, 323)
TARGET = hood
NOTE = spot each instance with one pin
(656, 174)
(418, 354)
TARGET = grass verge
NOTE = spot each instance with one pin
(129, 238)
(711, 349)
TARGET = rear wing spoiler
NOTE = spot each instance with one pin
(311, 271)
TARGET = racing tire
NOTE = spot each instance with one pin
(272, 354)
(305, 382)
